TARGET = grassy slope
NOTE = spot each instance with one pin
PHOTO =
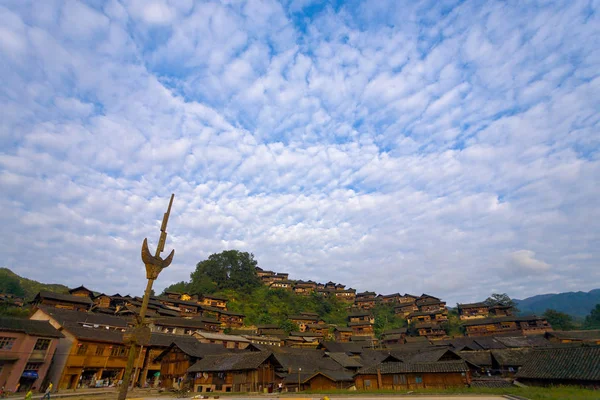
(32, 287)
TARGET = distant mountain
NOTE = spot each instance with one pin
(577, 304)
(28, 288)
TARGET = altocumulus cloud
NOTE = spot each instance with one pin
(447, 147)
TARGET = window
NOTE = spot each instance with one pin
(99, 350)
(6, 343)
(367, 383)
(32, 366)
(118, 351)
(82, 349)
(399, 379)
(418, 379)
(42, 344)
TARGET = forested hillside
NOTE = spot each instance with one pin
(12, 283)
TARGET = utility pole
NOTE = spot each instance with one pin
(140, 335)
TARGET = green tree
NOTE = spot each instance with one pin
(501, 298)
(179, 287)
(592, 321)
(230, 269)
(386, 319)
(559, 320)
(11, 285)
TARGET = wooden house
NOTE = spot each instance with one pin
(347, 295)
(431, 330)
(330, 285)
(103, 301)
(525, 325)
(425, 298)
(366, 295)
(389, 298)
(65, 301)
(342, 334)
(304, 288)
(81, 291)
(501, 310)
(265, 340)
(231, 319)
(280, 277)
(365, 303)
(180, 356)
(405, 309)
(410, 376)
(213, 300)
(236, 372)
(577, 366)
(282, 284)
(431, 304)
(183, 326)
(589, 337)
(320, 328)
(227, 341)
(408, 298)
(270, 330)
(303, 320)
(393, 336)
(473, 311)
(362, 323)
(427, 316)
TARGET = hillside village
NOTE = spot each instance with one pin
(79, 339)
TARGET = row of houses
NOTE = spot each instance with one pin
(212, 309)
(72, 348)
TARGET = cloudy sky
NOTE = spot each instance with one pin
(445, 147)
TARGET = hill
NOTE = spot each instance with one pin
(14, 284)
(577, 304)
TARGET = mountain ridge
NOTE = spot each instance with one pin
(577, 304)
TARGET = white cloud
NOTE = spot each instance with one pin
(421, 144)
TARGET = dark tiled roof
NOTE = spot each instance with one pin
(345, 360)
(394, 331)
(30, 327)
(430, 302)
(232, 313)
(195, 323)
(94, 334)
(406, 368)
(62, 316)
(231, 362)
(591, 335)
(523, 341)
(511, 357)
(423, 313)
(568, 363)
(81, 288)
(487, 321)
(481, 358)
(359, 314)
(341, 347)
(495, 383)
(335, 376)
(472, 305)
(489, 343)
(344, 329)
(67, 298)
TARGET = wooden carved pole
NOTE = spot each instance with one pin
(141, 333)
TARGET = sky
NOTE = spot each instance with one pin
(446, 147)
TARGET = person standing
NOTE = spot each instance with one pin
(29, 395)
(48, 391)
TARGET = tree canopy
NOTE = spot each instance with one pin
(559, 320)
(230, 269)
(592, 321)
(501, 298)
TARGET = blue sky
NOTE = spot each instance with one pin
(448, 147)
